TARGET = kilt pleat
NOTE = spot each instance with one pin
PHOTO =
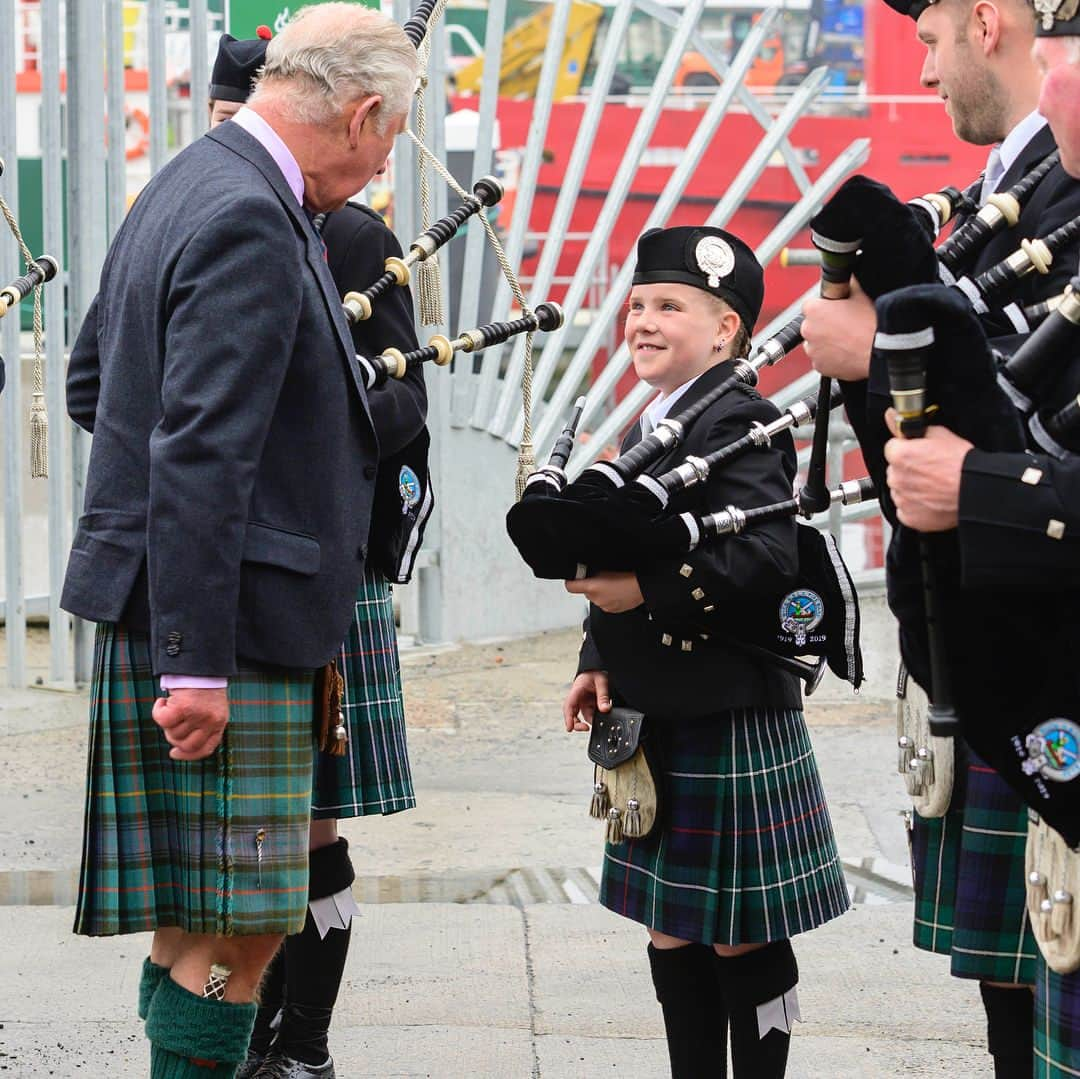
(213, 846)
(373, 775)
(968, 869)
(745, 852)
(1057, 1023)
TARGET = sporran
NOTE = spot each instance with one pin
(626, 776)
(1053, 882)
(926, 761)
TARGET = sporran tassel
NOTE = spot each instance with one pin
(632, 824)
(39, 438)
(1036, 892)
(600, 804)
(1046, 910)
(614, 831)
(1061, 914)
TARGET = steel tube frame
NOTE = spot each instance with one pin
(159, 120)
(505, 422)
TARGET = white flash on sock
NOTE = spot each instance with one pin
(779, 1013)
(333, 911)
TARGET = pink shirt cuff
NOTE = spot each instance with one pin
(191, 681)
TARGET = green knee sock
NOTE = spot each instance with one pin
(148, 983)
(193, 1037)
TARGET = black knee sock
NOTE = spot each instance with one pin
(271, 998)
(314, 965)
(747, 981)
(695, 1017)
(1009, 1029)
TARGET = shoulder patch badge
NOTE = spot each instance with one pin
(801, 613)
(1053, 751)
(408, 488)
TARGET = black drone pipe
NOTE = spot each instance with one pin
(907, 362)
(43, 268)
(393, 363)
(487, 191)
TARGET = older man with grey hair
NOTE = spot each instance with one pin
(225, 527)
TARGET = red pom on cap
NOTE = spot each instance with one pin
(264, 32)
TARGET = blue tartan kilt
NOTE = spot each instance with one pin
(373, 776)
(214, 846)
(745, 851)
(1057, 1023)
(968, 869)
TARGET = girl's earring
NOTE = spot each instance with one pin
(719, 347)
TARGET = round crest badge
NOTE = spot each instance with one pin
(801, 613)
(1053, 750)
(408, 488)
(715, 258)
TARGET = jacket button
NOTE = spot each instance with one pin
(369, 472)
(361, 551)
(173, 642)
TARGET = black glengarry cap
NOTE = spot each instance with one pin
(237, 63)
(708, 258)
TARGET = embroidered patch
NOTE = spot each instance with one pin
(714, 258)
(801, 612)
(1053, 751)
(408, 488)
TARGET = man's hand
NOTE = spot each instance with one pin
(193, 721)
(839, 334)
(588, 694)
(611, 592)
(924, 476)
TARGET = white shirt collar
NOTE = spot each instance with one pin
(272, 143)
(660, 406)
(1013, 144)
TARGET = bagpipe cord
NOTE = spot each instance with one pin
(526, 461)
(39, 418)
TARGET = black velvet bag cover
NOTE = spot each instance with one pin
(1011, 655)
(896, 248)
(404, 499)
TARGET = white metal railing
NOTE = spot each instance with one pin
(474, 413)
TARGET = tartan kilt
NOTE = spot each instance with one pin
(213, 846)
(968, 870)
(745, 851)
(1057, 1023)
(373, 775)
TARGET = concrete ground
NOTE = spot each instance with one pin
(481, 950)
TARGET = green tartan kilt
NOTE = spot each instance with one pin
(214, 846)
(968, 869)
(1057, 1023)
(373, 775)
(745, 851)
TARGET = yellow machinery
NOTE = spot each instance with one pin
(523, 54)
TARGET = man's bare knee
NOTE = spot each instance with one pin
(245, 958)
(726, 951)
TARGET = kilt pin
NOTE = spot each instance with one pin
(745, 852)
(969, 883)
(213, 846)
(373, 776)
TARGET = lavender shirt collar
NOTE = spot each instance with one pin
(271, 142)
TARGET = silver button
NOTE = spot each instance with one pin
(1055, 529)
(1031, 475)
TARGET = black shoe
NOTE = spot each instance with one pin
(277, 1066)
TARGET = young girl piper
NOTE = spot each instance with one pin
(744, 856)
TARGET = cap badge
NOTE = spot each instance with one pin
(714, 258)
(1051, 11)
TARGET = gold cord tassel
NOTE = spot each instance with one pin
(526, 466)
(429, 291)
(39, 438)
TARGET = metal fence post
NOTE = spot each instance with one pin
(14, 422)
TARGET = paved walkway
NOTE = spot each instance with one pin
(481, 951)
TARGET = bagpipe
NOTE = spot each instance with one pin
(43, 268)
(1022, 718)
(1025, 376)
(487, 191)
(440, 350)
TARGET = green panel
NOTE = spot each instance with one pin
(30, 222)
(244, 17)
